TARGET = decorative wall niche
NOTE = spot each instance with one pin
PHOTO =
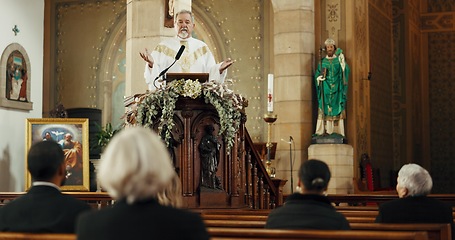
(15, 79)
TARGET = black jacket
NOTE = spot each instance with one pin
(420, 209)
(43, 209)
(307, 212)
(141, 220)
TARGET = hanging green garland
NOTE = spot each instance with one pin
(160, 104)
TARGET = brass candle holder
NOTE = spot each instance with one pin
(269, 118)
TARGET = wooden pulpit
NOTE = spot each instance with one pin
(213, 173)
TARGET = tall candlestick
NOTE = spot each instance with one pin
(270, 93)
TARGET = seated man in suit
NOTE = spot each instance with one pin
(44, 208)
(413, 205)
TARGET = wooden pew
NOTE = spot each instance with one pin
(234, 223)
(366, 199)
(97, 200)
(264, 218)
(234, 217)
(436, 231)
(357, 208)
(269, 234)
(355, 213)
(361, 219)
(264, 212)
(358, 219)
(36, 236)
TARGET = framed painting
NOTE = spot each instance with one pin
(73, 136)
(15, 78)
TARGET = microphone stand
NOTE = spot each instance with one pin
(291, 163)
(177, 57)
(163, 73)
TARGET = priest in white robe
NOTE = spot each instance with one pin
(196, 57)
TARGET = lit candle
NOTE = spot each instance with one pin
(270, 93)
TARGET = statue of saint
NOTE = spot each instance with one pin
(209, 150)
(331, 80)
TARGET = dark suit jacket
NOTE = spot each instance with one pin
(419, 209)
(42, 209)
(307, 212)
(141, 220)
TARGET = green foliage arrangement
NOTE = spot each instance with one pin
(160, 104)
(105, 134)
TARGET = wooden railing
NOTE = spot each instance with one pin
(261, 190)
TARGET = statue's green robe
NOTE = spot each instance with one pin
(332, 98)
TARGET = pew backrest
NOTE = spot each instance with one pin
(36, 236)
(234, 217)
(275, 234)
(234, 223)
(436, 231)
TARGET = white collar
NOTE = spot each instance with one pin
(42, 183)
(183, 39)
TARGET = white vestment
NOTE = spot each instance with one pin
(196, 58)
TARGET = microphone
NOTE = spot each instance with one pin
(286, 141)
(291, 139)
(179, 53)
(177, 57)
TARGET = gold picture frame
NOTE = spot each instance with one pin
(73, 135)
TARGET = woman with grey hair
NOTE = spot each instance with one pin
(135, 168)
(309, 208)
(414, 183)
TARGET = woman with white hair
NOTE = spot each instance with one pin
(414, 183)
(134, 169)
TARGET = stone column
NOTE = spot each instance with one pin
(294, 41)
(144, 29)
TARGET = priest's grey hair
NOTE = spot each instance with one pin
(184, 11)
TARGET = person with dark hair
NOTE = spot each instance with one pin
(309, 208)
(414, 183)
(43, 208)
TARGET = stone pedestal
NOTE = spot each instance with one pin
(340, 158)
